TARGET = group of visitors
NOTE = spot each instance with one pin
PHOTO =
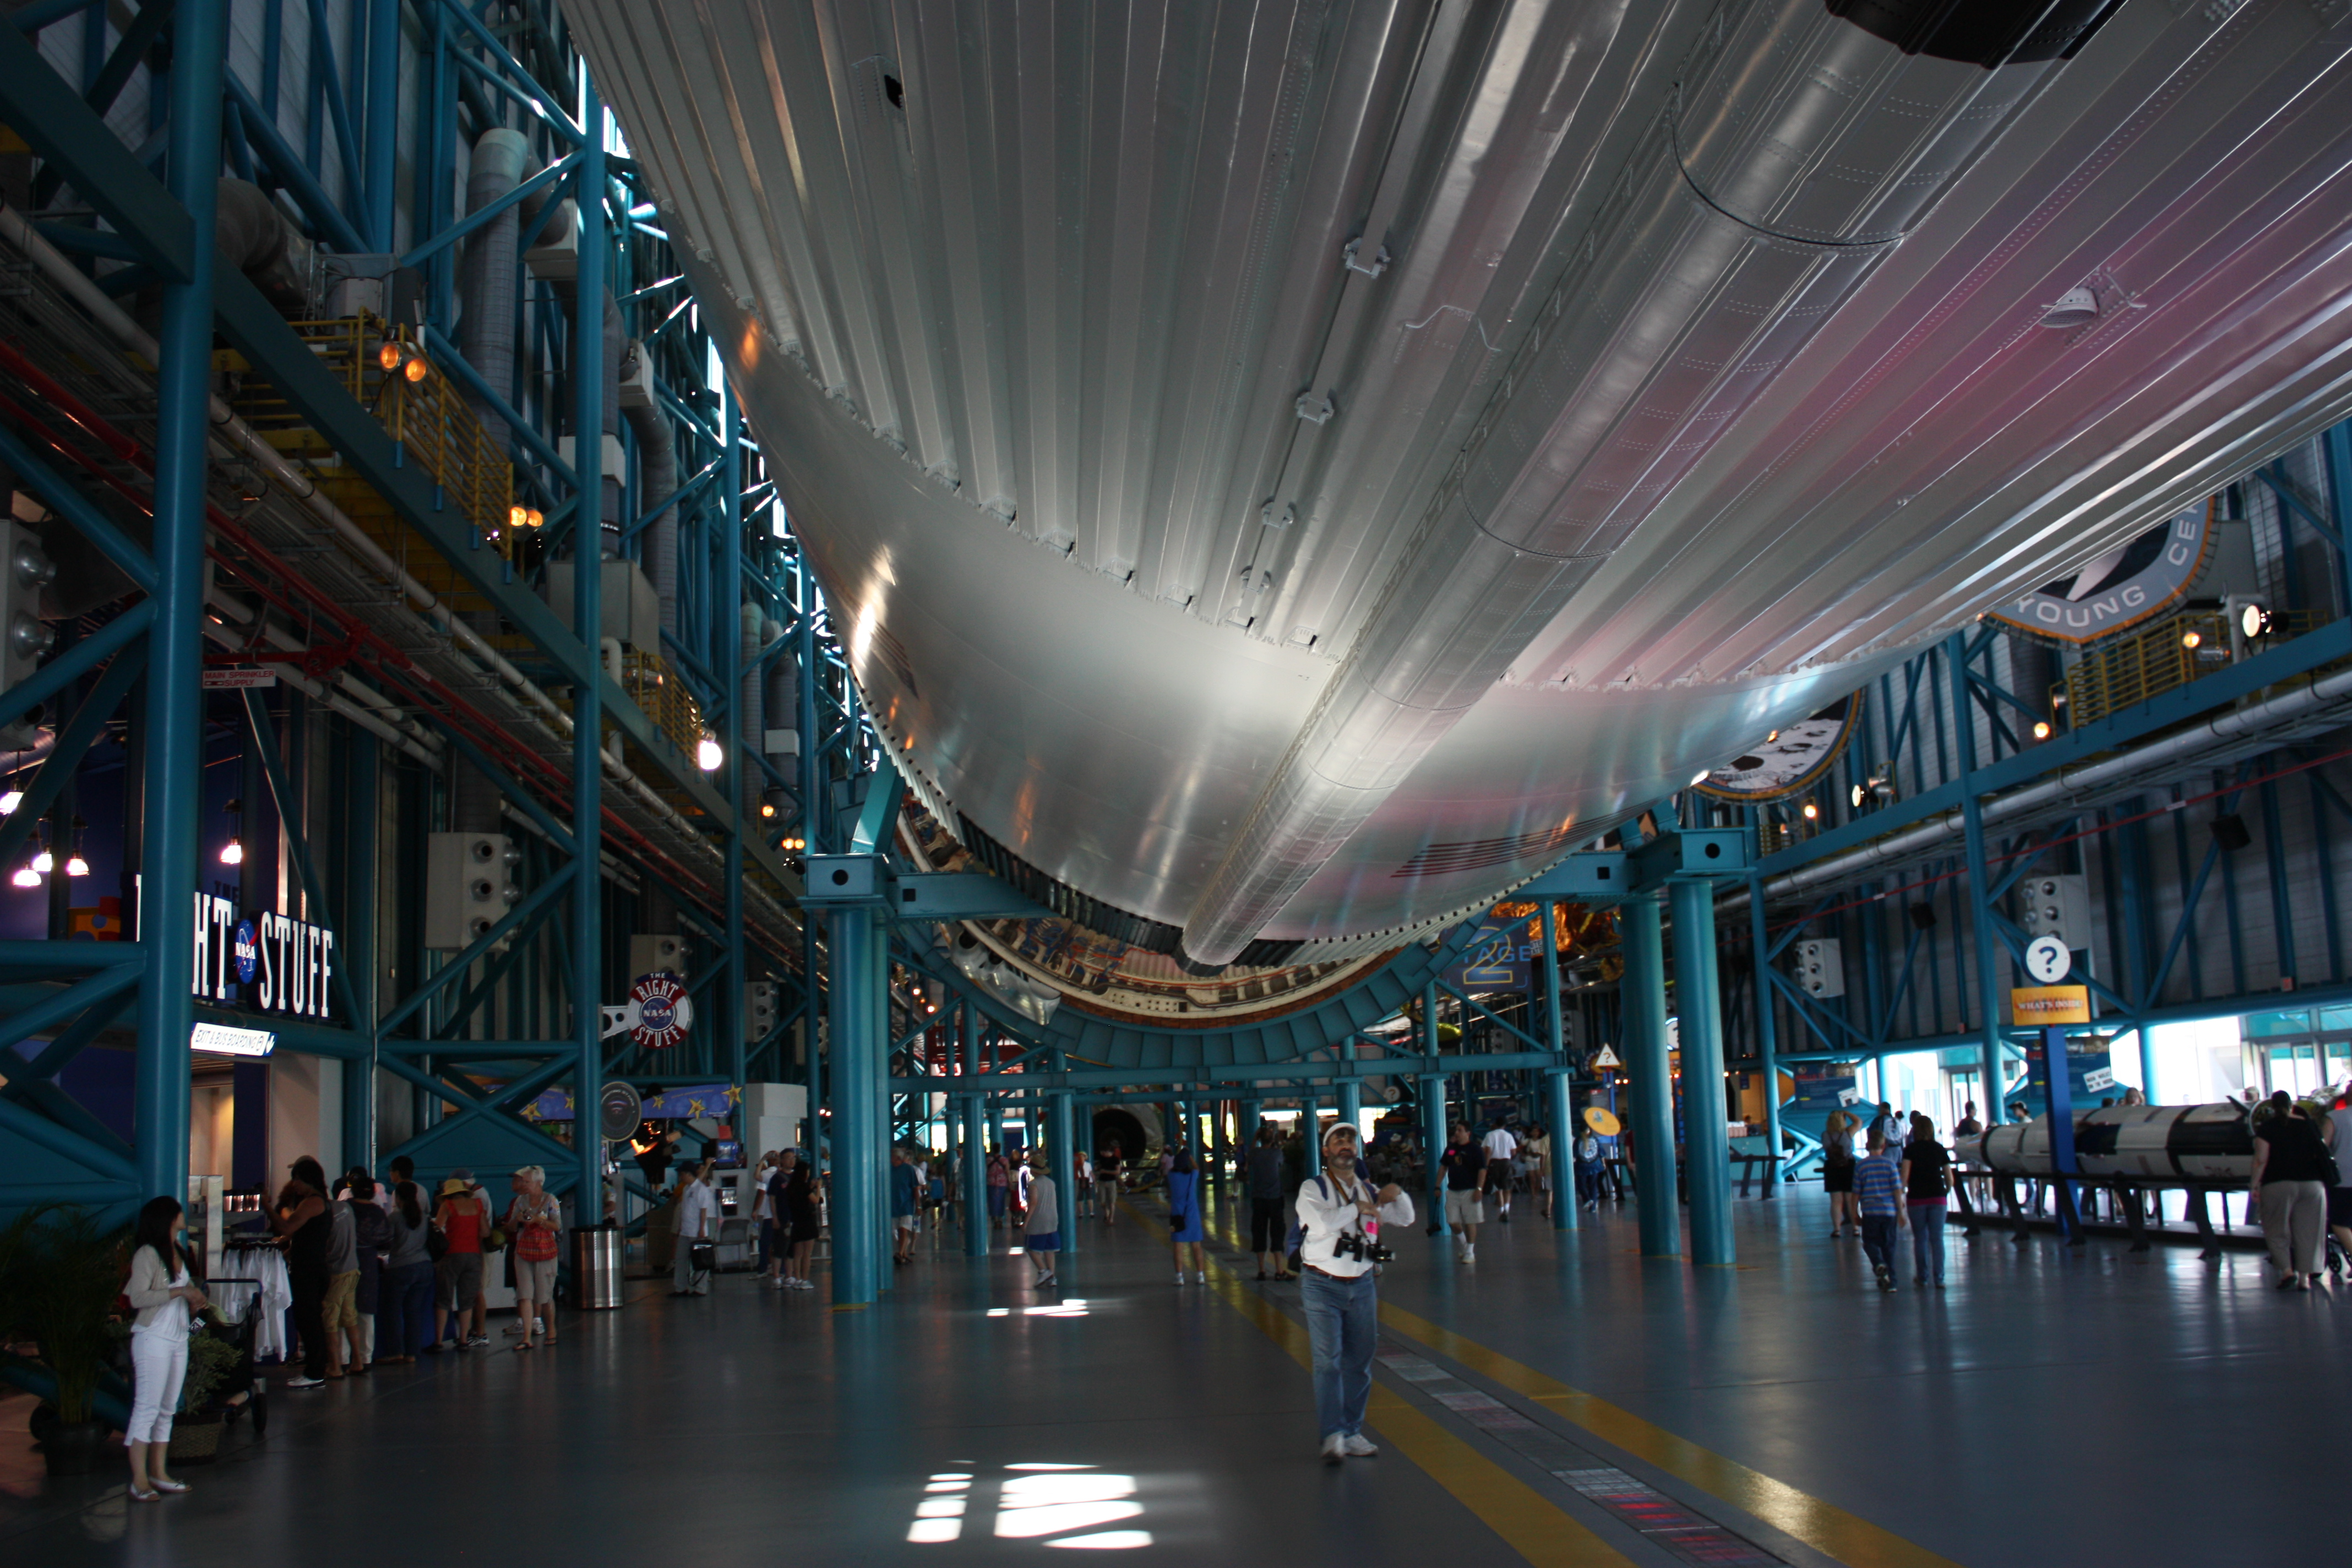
(1895, 1185)
(379, 1274)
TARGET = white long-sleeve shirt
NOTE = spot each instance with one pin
(1326, 1208)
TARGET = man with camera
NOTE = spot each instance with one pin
(1340, 1220)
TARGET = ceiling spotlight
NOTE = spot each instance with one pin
(24, 876)
(76, 867)
(232, 853)
(2254, 622)
(416, 369)
(767, 808)
(2042, 728)
(1813, 812)
(707, 754)
(517, 517)
(1856, 795)
(45, 862)
(2192, 638)
(389, 354)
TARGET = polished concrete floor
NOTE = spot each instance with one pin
(1559, 1400)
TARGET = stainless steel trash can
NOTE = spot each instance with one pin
(596, 1268)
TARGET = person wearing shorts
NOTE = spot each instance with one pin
(458, 1275)
(906, 1193)
(1042, 1231)
(1502, 1167)
(534, 1220)
(1465, 1163)
(1106, 1184)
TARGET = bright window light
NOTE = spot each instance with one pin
(1067, 1503)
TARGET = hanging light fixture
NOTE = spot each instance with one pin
(44, 863)
(10, 801)
(75, 866)
(233, 852)
(707, 754)
(26, 876)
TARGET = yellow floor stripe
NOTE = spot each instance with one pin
(1535, 1527)
(1824, 1526)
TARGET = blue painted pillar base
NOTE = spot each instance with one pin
(1062, 1165)
(1704, 1119)
(857, 1026)
(1646, 1060)
(1433, 1141)
(1560, 1124)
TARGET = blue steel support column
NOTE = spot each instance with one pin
(1556, 1085)
(857, 1030)
(174, 715)
(1433, 1141)
(1352, 1103)
(1060, 1163)
(1252, 1117)
(1766, 1041)
(1310, 1114)
(1699, 1005)
(814, 830)
(356, 886)
(872, 1090)
(381, 112)
(739, 757)
(1988, 942)
(587, 615)
(975, 1142)
(1557, 1112)
(1652, 1112)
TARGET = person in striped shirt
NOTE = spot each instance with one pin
(1878, 1190)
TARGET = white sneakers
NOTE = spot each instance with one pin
(1201, 1278)
(1180, 1276)
(1335, 1449)
(1358, 1448)
(1466, 1254)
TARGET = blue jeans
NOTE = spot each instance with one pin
(1878, 1240)
(403, 1309)
(1927, 1241)
(1343, 1322)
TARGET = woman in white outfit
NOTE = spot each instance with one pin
(163, 1292)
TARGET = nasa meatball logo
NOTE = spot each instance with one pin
(663, 1010)
(246, 952)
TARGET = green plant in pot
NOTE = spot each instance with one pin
(196, 1432)
(65, 1275)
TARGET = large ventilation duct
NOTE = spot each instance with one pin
(1797, 150)
(486, 332)
(749, 714)
(656, 480)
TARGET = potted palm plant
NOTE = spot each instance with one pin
(64, 1275)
